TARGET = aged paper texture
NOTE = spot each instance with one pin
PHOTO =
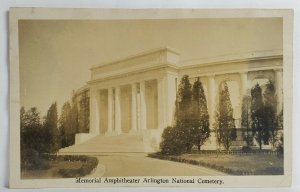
(187, 98)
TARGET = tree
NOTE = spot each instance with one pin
(200, 118)
(225, 127)
(22, 119)
(65, 124)
(246, 120)
(74, 124)
(177, 139)
(184, 113)
(31, 129)
(257, 114)
(31, 139)
(270, 102)
(279, 144)
(51, 130)
(279, 120)
(84, 113)
(183, 100)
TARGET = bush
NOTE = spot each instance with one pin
(270, 171)
(171, 142)
(31, 160)
(69, 173)
(279, 143)
(246, 149)
(88, 164)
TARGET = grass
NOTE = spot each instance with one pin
(234, 164)
(256, 163)
(52, 172)
(60, 167)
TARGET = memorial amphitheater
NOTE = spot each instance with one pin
(133, 99)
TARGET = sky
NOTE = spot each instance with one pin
(55, 56)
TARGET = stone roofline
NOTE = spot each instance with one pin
(138, 55)
(233, 58)
(169, 59)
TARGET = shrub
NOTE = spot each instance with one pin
(88, 164)
(31, 160)
(246, 149)
(279, 143)
(171, 142)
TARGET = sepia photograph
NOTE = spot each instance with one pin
(141, 98)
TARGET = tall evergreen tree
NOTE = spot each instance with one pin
(22, 118)
(200, 118)
(31, 130)
(225, 127)
(52, 132)
(257, 114)
(84, 113)
(279, 120)
(278, 144)
(32, 141)
(270, 103)
(183, 113)
(183, 100)
(65, 125)
(177, 139)
(246, 119)
(74, 123)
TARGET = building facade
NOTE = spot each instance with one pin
(137, 95)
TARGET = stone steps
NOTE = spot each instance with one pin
(124, 143)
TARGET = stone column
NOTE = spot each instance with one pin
(279, 91)
(133, 107)
(170, 92)
(211, 98)
(110, 110)
(117, 111)
(161, 104)
(244, 84)
(211, 143)
(243, 92)
(95, 112)
(143, 115)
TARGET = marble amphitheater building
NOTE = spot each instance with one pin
(132, 100)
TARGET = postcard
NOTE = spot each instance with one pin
(150, 98)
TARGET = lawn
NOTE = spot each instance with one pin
(59, 167)
(233, 164)
(257, 164)
(52, 172)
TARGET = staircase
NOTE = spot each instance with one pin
(124, 143)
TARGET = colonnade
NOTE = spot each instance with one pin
(150, 105)
(160, 94)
